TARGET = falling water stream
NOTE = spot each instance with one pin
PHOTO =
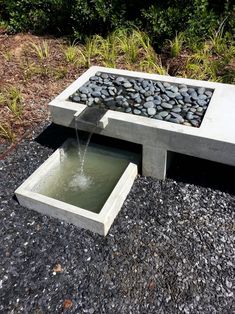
(86, 173)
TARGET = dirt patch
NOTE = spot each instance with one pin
(38, 80)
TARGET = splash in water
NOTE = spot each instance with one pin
(80, 180)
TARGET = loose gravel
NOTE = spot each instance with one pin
(177, 103)
(170, 250)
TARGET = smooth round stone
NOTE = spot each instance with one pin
(159, 84)
(136, 105)
(150, 98)
(167, 117)
(120, 79)
(172, 102)
(179, 96)
(105, 92)
(199, 109)
(76, 98)
(201, 103)
(96, 94)
(165, 84)
(202, 97)
(194, 96)
(136, 87)
(166, 105)
(184, 94)
(127, 85)
(142, 91)
(157, 116)
(84, 90)
(135, 96)
(176, 109)
(138, 100)
(194, 123)
(137, 111)
(111, 92)
(208, 93)
(174, 120)
(191, 90)
(157, 101)
(183, 90)
(149, 104)
(104, 76)
(152, 89)
(187, 123)
(174, 89)
(120, 97)
(145, 84)
(189, 116)
(177, 116)
(128, 110)
(163, 114)
(171, 94)
(165, 97)
(187, 99)
(201, 90)
(96, 100)
(159, 108)
(183, 86)
(181, 102)
(151, 111)
(125, 104)
(84, 96)
(130, 90)
(193, 109)
(93, 78)
(148, 93)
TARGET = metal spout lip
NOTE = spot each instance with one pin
(91, 118)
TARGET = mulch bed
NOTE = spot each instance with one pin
(170, 250)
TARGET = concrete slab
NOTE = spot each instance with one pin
(213, 140)
(100, 223)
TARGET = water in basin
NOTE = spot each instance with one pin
(90, 188)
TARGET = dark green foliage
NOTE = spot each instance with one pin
(162, 19)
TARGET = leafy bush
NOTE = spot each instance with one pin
(161, 19)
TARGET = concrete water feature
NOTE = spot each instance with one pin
(213, 139)
(211, 136)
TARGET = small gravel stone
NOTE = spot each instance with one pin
(151, 111)
(148, 104)
(163, 114)
(166, 105)
(137, 111)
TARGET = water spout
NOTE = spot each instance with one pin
(90, 119)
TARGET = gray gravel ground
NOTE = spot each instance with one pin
(170, 250)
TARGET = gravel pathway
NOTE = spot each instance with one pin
(170, 250)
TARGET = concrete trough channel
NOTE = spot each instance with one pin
(210, 136)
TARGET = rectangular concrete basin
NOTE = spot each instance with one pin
(52, 188)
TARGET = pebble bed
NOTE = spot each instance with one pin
(175, 103)
(170, 250)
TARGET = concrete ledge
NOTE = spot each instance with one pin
(213, 140)
(99, 223)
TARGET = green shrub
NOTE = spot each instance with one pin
(161, 19)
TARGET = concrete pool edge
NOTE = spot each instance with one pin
(98, 223)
